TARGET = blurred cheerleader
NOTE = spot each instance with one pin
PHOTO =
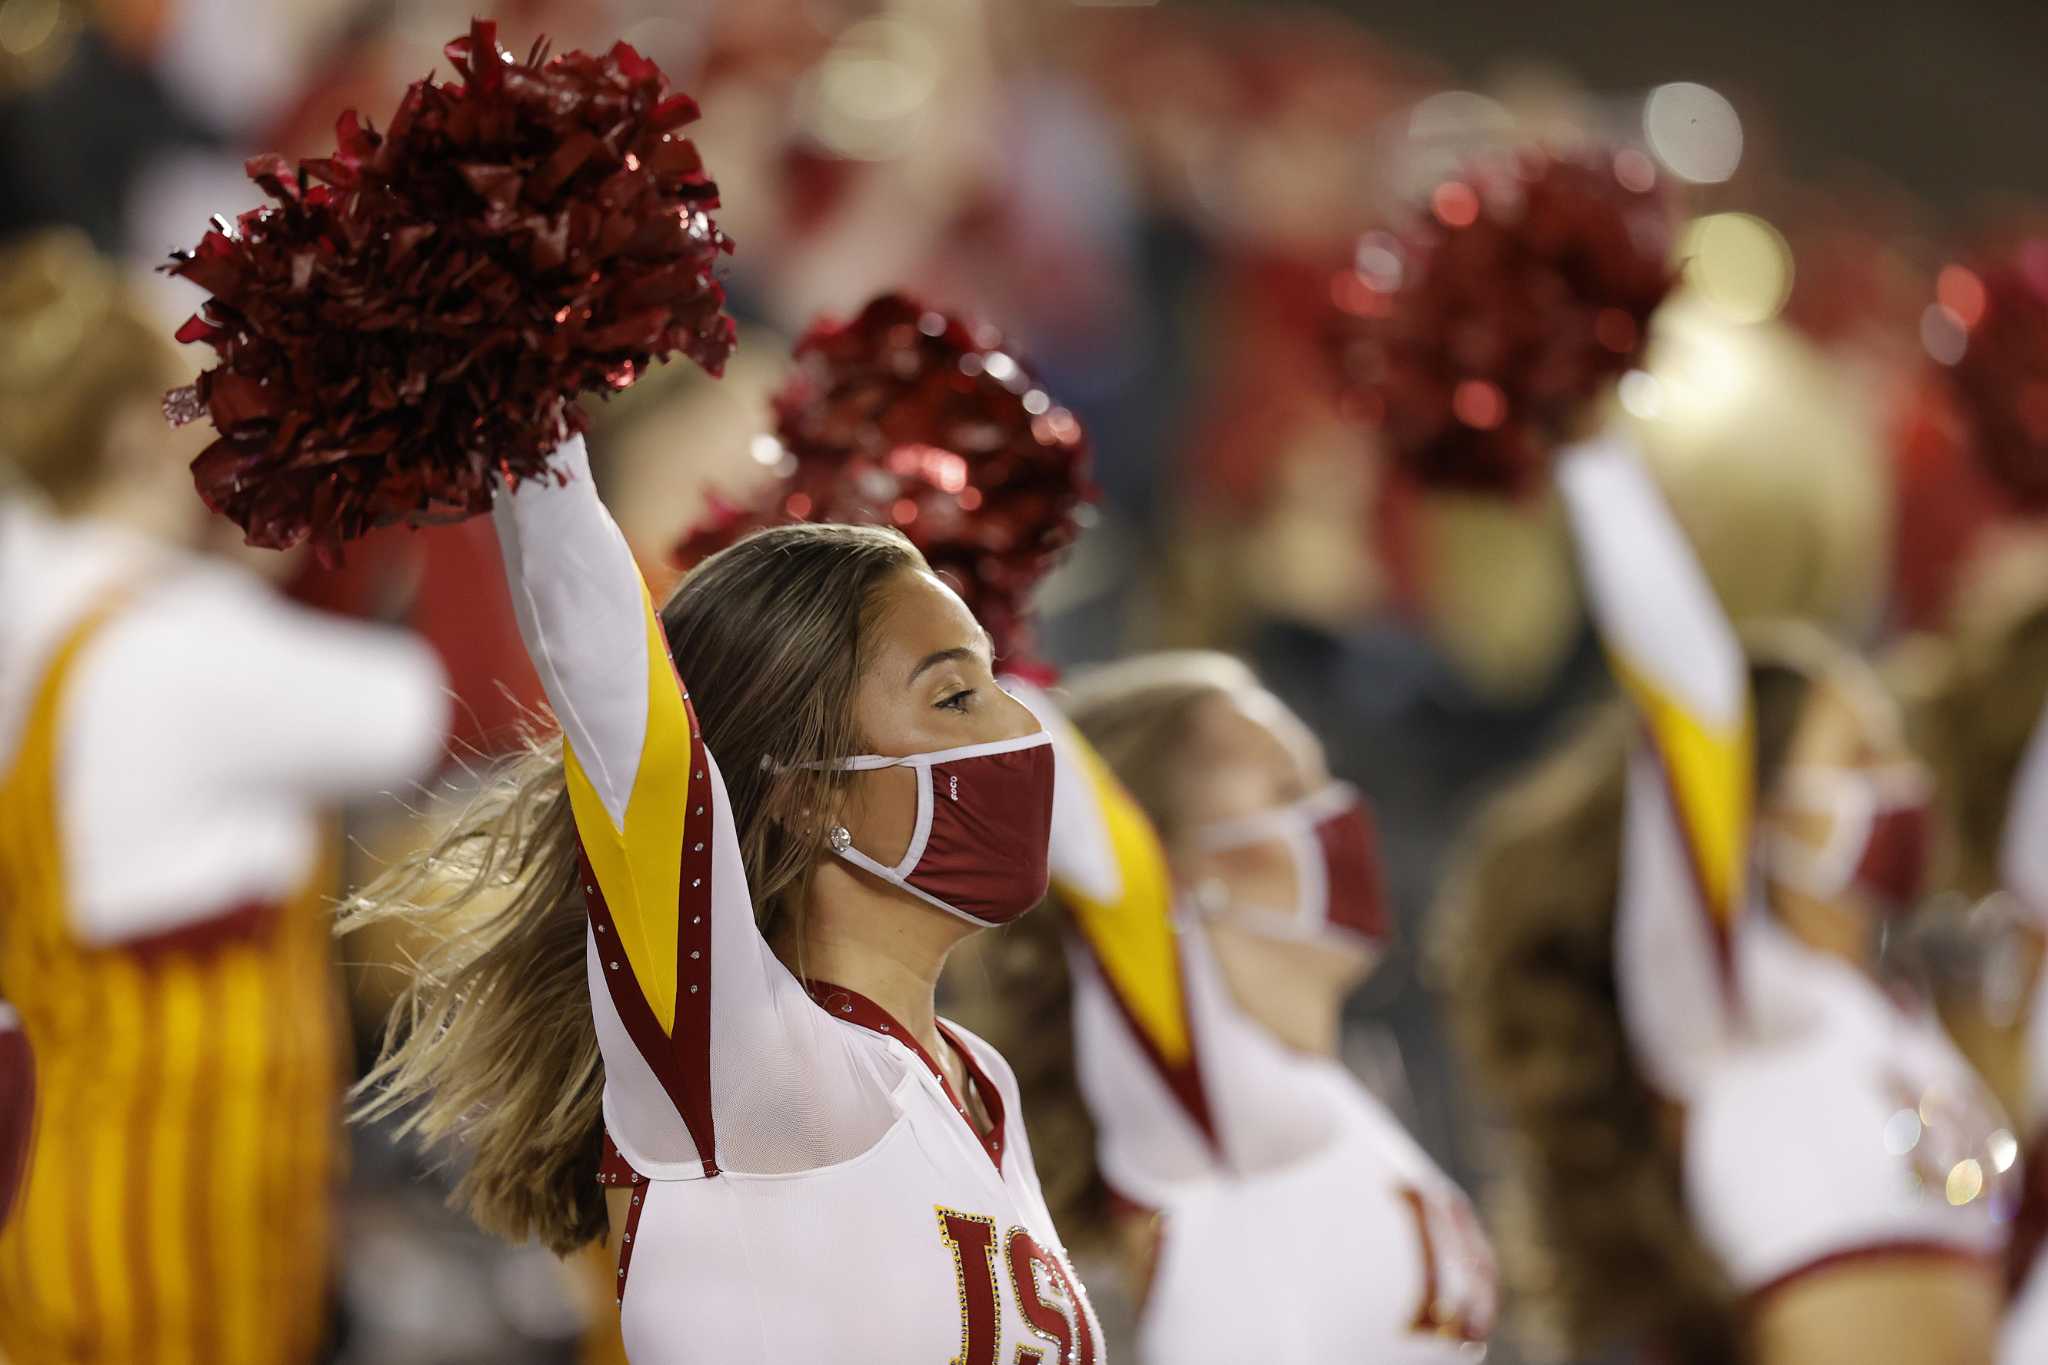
(172, 734)
(1982, 723)
(1727, 1143)
(1223, 897)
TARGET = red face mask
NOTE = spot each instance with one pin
(980, 846)
(1879, 833)
(1331, 839)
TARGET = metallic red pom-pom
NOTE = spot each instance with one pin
(1988, 330)
(398, 336)
(907, 417)
(1473, 341)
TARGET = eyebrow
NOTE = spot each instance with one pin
(943, 656)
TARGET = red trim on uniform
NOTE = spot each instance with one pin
(2030, 1220)
(614, 1169)
(692, 1039)
(855, 1008)
(17, 1113)
(641, 1190)
(250, 922)
(1182, 1081)
(1718, 936)
(1906, 1250)
(681, 1060)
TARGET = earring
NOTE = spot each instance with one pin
(839, 838)
(1211, 896)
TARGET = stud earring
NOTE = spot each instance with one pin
(839, 839)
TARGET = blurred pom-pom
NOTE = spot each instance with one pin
(1475, 341)
(407, 322)
(906, 417)
(1988, 329)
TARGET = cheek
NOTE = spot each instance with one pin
(881, 812)
(1260, 877)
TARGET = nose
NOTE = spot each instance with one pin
(1011, 719)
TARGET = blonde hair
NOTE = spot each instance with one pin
(1137, 714)
(491, 1050)
(77, 351)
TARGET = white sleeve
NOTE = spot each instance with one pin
(583, 611)
(1686, 843)
(714, 1054)
(255, 694)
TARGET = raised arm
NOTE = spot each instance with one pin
(663, 873)
(1110, 872)
(1689, 800)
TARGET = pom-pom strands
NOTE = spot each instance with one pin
(909, 418)
(1475, 342)
(1989, 328)
(411, 328)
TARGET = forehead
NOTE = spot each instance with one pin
(916, 614)
(1244, 745)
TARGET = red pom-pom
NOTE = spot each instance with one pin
(1474, 342)
(909, 418)
(1988, 327)
(412, 328)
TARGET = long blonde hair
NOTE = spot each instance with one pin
(491, 1050)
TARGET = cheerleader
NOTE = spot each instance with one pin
(1728, 1143)
(1981, 720)
(1222, 897)
(171, 736)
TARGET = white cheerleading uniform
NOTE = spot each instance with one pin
(805, 1184)
(210, 724)
(1297, 1221)
(174, 738)
(2023, 859)
(1825, 1123)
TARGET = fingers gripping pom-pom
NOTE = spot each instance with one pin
(907, 417)
(1474, 342)
(404, 325)
(1988, 332)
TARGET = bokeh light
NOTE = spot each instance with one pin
(1739, 264)
(1694, 131)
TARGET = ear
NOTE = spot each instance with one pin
(805, 803)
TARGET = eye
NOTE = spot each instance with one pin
(958, 701)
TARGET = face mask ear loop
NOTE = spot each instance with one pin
(921, 832)
(1311, 880)
(1852, 810)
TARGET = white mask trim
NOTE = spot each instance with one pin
(1295, 826)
